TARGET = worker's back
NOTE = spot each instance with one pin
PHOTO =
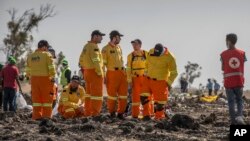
(39, 64)
(158, 66)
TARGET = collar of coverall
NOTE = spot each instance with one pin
(139, 52)
(112, 45)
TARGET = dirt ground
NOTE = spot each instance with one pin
(192, 121)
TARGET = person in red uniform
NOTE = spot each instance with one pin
(9, 74)
(233, 69)
(1, 87)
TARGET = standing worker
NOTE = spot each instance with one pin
(41, 70)
(216, 87)
(116, 81)
(66, 73)
(184, 84)
(10, 74)
(72, 99)
(233, 60)
(209, 86)
(161, 73)
(136, 67)
(92, 64)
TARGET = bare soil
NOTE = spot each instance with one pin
(192, 121)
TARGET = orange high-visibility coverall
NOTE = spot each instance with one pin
(70, 102)
(41, 69)
(91, 61)
(116, 81)
(136, 68)
(161, 73)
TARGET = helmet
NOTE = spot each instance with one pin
(65, 62)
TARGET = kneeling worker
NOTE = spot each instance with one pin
(72, 99)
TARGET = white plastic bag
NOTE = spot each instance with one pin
(55, 110)
(29, 107)
(20, 101)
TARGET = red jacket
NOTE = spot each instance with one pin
(233, 67)
(9, 75)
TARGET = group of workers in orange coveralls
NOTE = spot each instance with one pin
(150, 74)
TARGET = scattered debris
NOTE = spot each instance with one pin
(184, 121)
(191, 121)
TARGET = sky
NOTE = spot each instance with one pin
(193, 30)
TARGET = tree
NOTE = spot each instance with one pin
(192, 71)
(18, 40)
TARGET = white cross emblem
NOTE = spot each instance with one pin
(234, 63)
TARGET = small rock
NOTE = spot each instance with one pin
(43, 130)
(148, 128)
(210, 119)
(130, 124)
(125, 129)
(6, 137)
(57, 131)
(17, 119)
(222, 101)
(49, 139)
(194, 139)
(179, 105)
(138, 129)
(99, 137)
(8, 120)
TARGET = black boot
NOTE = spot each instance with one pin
(120, 116)
(146, 118)
(112, 115)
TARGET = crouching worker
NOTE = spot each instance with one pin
(72, 99)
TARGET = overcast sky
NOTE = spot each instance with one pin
(194, 30)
